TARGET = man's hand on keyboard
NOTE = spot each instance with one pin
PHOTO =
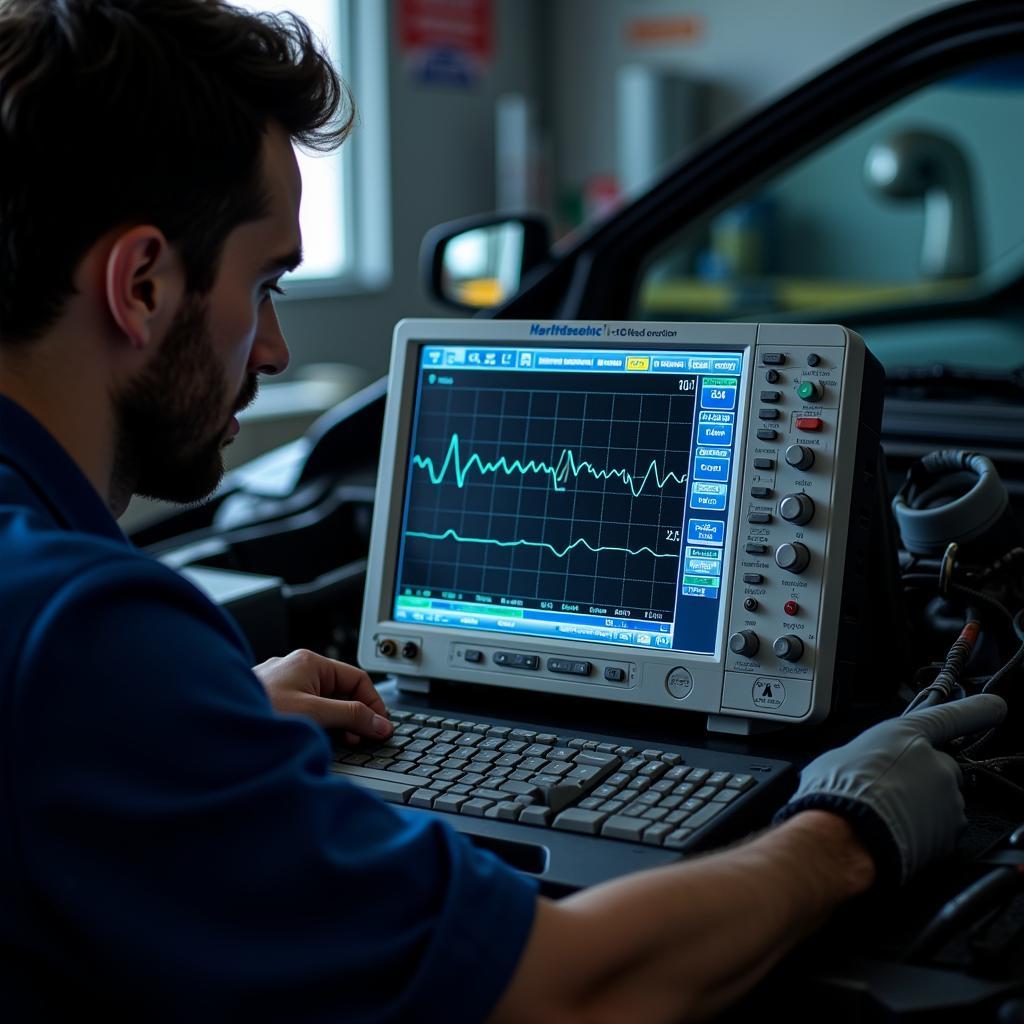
(333, 694)
(900, 794)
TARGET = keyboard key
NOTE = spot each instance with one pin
(522, 789)
(654, 835)
(506, 810)
(576, 819)
(450, 802)
(677, 840)
(536, 815)
(559, 753)
(598, 759)
(475, 807)
(741, 783)
(621, 827)
(392, 792)
(705, 814)
(422, 798)
(483, 793)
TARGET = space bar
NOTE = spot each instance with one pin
(394, 787)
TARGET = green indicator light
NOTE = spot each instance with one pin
(808, 390)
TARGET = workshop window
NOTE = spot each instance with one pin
(344, 215)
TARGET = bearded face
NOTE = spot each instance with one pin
(175, 418)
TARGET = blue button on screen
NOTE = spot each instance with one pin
(714, 433)
(716, 397)
(705, 531)
(710, 469)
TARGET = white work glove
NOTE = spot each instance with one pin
(900, 794)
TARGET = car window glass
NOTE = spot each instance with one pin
(919, 204)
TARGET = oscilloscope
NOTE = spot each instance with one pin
(658, 513)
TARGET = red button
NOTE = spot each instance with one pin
(808, 423)
(791, 607)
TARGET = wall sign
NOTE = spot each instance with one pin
(446, 42)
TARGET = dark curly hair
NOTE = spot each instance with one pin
(142, 111)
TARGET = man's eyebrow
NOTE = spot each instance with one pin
(288, 261)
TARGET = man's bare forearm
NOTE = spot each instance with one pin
(681, 942)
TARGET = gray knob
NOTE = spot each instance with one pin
(745, 643)
(799, 456)
(792, 557)
(796, 509)
(788, 648)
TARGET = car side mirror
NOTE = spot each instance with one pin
(479, 262)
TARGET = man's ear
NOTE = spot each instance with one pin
(144, 283)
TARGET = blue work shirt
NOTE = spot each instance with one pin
(172, 848)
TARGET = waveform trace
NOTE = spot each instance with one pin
(559, 473)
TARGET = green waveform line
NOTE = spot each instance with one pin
(559, 473)
(535, 544)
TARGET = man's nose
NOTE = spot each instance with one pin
(269, 351)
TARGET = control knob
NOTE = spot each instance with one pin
(788, 648)
(799, 456)
(744, 643)
(796, 509)
(809, 391)
(793, 557)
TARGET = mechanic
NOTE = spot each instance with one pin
(174, 846)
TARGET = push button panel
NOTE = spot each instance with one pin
(498, 664)
(787, 488)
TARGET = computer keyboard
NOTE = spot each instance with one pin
(652, 796)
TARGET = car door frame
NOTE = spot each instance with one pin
(596, 276)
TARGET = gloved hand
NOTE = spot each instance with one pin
(900, 794)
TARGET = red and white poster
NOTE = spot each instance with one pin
(446, 42)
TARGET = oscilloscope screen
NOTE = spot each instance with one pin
(560, 503)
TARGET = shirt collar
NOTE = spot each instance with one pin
(33, 451)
